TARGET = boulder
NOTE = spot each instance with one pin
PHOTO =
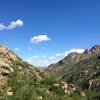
(4, 72)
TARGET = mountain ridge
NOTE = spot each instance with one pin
(73, 58)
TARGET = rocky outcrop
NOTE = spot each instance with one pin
(9, 63)
(94, 49)
(4, 72)
(94, 84)
(7, 53)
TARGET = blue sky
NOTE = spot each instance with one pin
(63, 25)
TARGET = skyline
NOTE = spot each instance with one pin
(43, 32)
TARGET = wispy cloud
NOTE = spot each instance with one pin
(36, 56)
(59, 54)
(39, 38)
(30, 48)
(12, 25)
(52, 57)
(17, 49)
(2, 27)
(47, 60)
(74, 50)
(44, 56)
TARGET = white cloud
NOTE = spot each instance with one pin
(52, 57)
(36, 56)
(29, 60)
(38, 60)
(44, 56)
(30, 48)
(2, 26)
(17, 49)
(12, 25)
(59, 54)
(74, 50)
(39, 38)
(42, 62)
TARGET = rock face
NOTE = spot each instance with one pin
(94, 49)
(6, 55)
(6, 58)
(94, 83)
(9, 63)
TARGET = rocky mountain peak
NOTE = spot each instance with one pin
(7, 57)
(94, 49)
(4, 51)
(73, 55)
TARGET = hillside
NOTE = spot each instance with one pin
(22, 81)
(60, 68)
(81, 69)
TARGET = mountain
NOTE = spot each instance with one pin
(22, 81)
(81, 69)
(60, 68)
